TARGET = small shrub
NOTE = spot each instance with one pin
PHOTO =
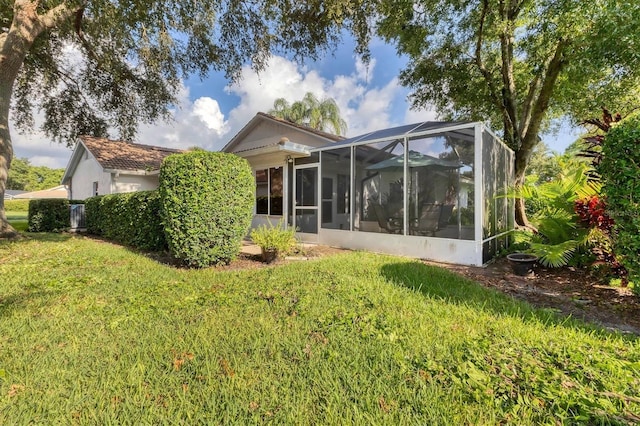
(48, 215)
(279, 238)
(620, 171)
(207, 204)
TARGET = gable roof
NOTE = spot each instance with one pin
(261, 116)
(126, 156)
(118, 156)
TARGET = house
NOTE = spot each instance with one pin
(427, 190)
(271, 145)
(10, 194)
(59, 191)
(100, 166)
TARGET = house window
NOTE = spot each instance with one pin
(269, 191)
(95, 188)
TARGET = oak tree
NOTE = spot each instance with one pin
(101, 66)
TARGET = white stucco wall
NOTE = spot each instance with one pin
(88, 171)
(130, 183)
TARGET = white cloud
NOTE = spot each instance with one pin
(200, 122)
(208, 111)
(416, 116)
(363, 107)
(364, 72)
(39, 149)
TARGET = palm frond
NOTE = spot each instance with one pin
(555, 255)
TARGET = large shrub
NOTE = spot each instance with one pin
(48, 215)
(16, 205)
(620, 171)
(207, 201)
(131, 218)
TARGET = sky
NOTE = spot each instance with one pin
(211, 111)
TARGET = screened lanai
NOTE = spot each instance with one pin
(429, 190)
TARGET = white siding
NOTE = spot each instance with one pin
(269, 133)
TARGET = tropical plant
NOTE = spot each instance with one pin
(557, 233)
(310, 111)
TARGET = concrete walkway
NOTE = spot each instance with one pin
(248, 247)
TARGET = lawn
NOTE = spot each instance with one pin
(93, 333)
(18, 219)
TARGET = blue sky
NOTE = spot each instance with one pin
(211, 111)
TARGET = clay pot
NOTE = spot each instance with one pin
(269, 255)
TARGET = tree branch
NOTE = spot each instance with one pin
(478, 57)
(56, 16)
(541, 105)
(509, 91)
(525, 117)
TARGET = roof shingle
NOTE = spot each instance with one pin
(121, 155)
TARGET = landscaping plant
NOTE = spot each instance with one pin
(279, 239)
(557, 235)
(207, 205)
(131, 218)
(49, 215)
(620, 172)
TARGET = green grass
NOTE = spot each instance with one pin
(18, 219)
(95, 334)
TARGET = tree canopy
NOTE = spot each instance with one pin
(99, 67)
(25, 177)
(517, 63)
(318, 114)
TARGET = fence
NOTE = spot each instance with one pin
(76, 213)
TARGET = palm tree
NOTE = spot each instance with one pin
(320, 115)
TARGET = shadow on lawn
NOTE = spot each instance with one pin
(46, 237)
(438, 283)
(20, 301)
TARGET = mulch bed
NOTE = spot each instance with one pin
(567, 290)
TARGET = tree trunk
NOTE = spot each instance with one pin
(8, 72)
(520, 174)
(14, 45)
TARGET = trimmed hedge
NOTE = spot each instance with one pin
(93, 215)
(207, 203)
(620, 171)
(48, 215)
(16, 205)
(131, 218)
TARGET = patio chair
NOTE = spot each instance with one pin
(391, 225)
(428, 222)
